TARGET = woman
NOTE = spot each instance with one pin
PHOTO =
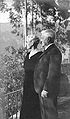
(30, 108)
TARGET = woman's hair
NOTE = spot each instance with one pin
(36, 42)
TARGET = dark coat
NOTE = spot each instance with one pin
(30, 108)
(48, 70)
(47, 76)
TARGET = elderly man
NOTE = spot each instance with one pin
(47, 76)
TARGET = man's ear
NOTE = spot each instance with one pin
(49, 39)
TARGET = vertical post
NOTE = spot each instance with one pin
(41, 13)
(69, 55)
(2, 101)
(41, 16)
(25, 23)
(1, 109)
(36, 16)
(32, 15)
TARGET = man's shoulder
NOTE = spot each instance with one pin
(55, 50)
(47, 50)
(51, 50)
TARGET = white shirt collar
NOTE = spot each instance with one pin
(48, 46)
(33, 52)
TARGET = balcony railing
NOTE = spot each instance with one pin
(13, 104)
(12, 101)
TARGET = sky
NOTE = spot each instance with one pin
(4, 17)
(6, 37)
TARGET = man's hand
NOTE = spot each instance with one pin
(44, 93)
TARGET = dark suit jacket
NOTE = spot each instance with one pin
(47, 71)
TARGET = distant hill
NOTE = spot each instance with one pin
(7, 38)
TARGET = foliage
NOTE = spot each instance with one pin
(12, 69)
(18, 5)
(33, 14)
(15, 20)
(52, 19)
(3, 5)
(49, 16)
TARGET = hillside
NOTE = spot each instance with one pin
(7, 38)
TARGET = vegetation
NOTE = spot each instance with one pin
(12, 69)
(12, 60)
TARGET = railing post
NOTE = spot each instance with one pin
(2, 105)
(1, 110)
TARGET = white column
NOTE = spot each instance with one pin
(25, 25)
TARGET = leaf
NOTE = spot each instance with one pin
(14, 31)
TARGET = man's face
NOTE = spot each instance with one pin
(47, 34)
